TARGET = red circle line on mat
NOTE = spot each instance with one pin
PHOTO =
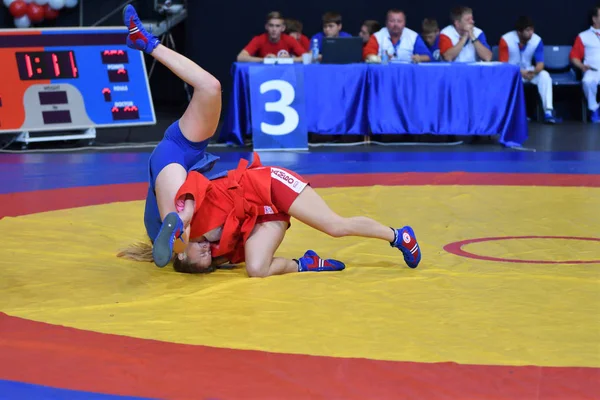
(456, 248)
(22, 203)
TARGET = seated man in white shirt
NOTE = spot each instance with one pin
(463, 41)
(585, 55)
(399, 42)
(523, 47)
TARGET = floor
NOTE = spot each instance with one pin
(503, 306)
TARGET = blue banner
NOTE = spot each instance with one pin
(277, 107)
(425, 98)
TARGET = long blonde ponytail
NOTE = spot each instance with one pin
(140, 251)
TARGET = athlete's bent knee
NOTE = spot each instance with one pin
(257, 270)
(213, 87)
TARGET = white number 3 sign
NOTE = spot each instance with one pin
(282, 106)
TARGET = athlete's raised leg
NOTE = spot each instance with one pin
(201, 117)
(198, 122)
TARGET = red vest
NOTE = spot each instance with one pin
(233, 202)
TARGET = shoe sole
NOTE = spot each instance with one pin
(162, 254)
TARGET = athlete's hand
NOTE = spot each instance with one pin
(187, 213)
(528, 75)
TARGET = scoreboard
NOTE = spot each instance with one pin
(71, 79)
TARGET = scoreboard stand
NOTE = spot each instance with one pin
(63, 84)
(35, 137)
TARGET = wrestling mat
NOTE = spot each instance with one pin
(504, 305)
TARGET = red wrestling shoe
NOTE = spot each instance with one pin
(138, 38)
(312, 262)
(405, 240)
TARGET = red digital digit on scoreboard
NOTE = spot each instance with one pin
(47, 65)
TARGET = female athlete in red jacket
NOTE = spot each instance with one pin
(183, 148)
(244, 216)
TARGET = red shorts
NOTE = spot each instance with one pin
(285, 188)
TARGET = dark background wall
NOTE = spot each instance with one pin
(217, 30)
(558, 22)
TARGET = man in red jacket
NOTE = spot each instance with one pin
(272, 43)
(228, 210)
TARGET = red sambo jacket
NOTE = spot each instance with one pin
(233, 202)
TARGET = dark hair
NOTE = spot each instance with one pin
(274, 15)
(523, 22)
(394, 11)
(430, 25)
(372, 26)
(186, 267)
(293, 26)
(332, 18)
(593, 13)
(457, 13)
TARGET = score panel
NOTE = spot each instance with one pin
(68, 79)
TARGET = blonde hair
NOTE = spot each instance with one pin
(140, 251)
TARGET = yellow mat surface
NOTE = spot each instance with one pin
(60, 267)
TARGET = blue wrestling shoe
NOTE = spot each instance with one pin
(595, 117)
(405, 240)
(162, 249)
(312, 262)
(138, 38)
(550, 118)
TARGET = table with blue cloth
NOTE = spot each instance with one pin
(427, 98)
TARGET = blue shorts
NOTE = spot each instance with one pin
(173, 148)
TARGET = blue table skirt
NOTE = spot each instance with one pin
(433, 98)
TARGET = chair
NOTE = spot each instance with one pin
(495, 53)
(558, 64)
